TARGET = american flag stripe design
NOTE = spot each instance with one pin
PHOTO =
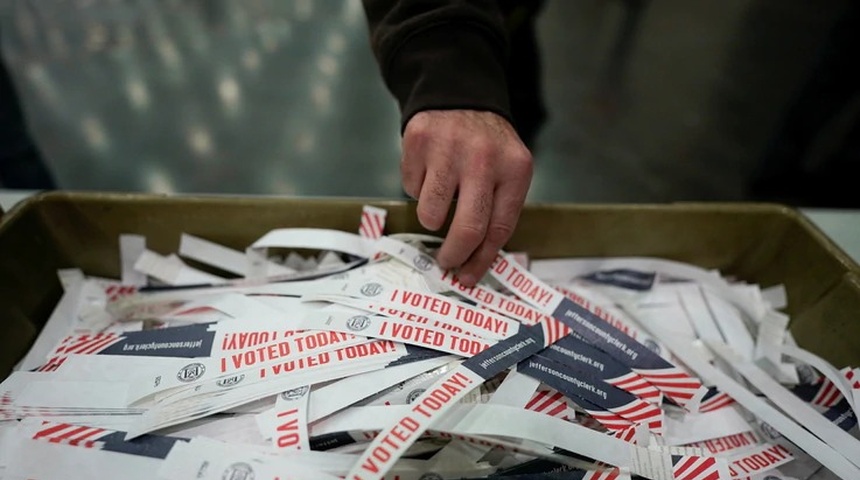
(82, 345)
(609, 420)
(716, 402)
(553, 330)
(70, 434)
(550, 402)
(372, 222)
(826, 394)
(693, 467)
(676, 384)
(115, 292)
(633, 383)
(641, 412)
(628, 435)
(601, 475)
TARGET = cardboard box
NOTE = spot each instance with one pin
(764, 244)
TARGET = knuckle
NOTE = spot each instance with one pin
(432, 213)
(523, 159)
(469, 234)
(499, 233)
(417, 134)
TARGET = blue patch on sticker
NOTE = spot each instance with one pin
(186, 342)
(507, 352)
(574, 384)
(331, 440)
(608, 338)
(152, 446)
(414, 354)
(574, 351)
(842, 415)
(623, 278)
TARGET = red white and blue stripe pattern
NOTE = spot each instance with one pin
(678, 385)
(76, 435)
(611, 474)
(639, 412)
(715, 401)
(610, 421)
(372, 222)
(694, 467)
(115, 292)
(550, 402)
(628, 435)
(81, 345)
(638, 386)
(553, 330)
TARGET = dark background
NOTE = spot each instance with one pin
(657, 100)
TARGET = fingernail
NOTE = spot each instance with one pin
(468, 280)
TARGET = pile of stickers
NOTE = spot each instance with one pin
(364, 360)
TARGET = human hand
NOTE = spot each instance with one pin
(479, 157)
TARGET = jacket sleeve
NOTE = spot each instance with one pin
(441, 54)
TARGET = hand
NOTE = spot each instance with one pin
(478, 156)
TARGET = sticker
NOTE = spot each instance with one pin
(227, 259)
(592, 394)
(836, 438)
(764, 458)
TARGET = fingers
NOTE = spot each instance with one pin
(508, 201)
(412, 176)
(471, 219)
(478, 156)
(437, 192)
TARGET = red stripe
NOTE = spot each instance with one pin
(94, 348)
(823, 392)
(364, 227)
(553, 329)
(665, 375)
(643, 416)
(99, 346)
(718, 405)
(84, 343)
(676, 395)
(833, 399)
(70, 433)
(50, 430)
(380, 224)
(639, 405)
(641, 391)
(680, 385)
(684, 464)
(72, 342)
(560, 408)
(536, 398)
(91, 433)
(635, 384)
(707, 463)
(711, 476)
(645, 395)
(626, 384)
(553, 399)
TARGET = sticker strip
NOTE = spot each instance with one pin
(834, 461)
(835, 437)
